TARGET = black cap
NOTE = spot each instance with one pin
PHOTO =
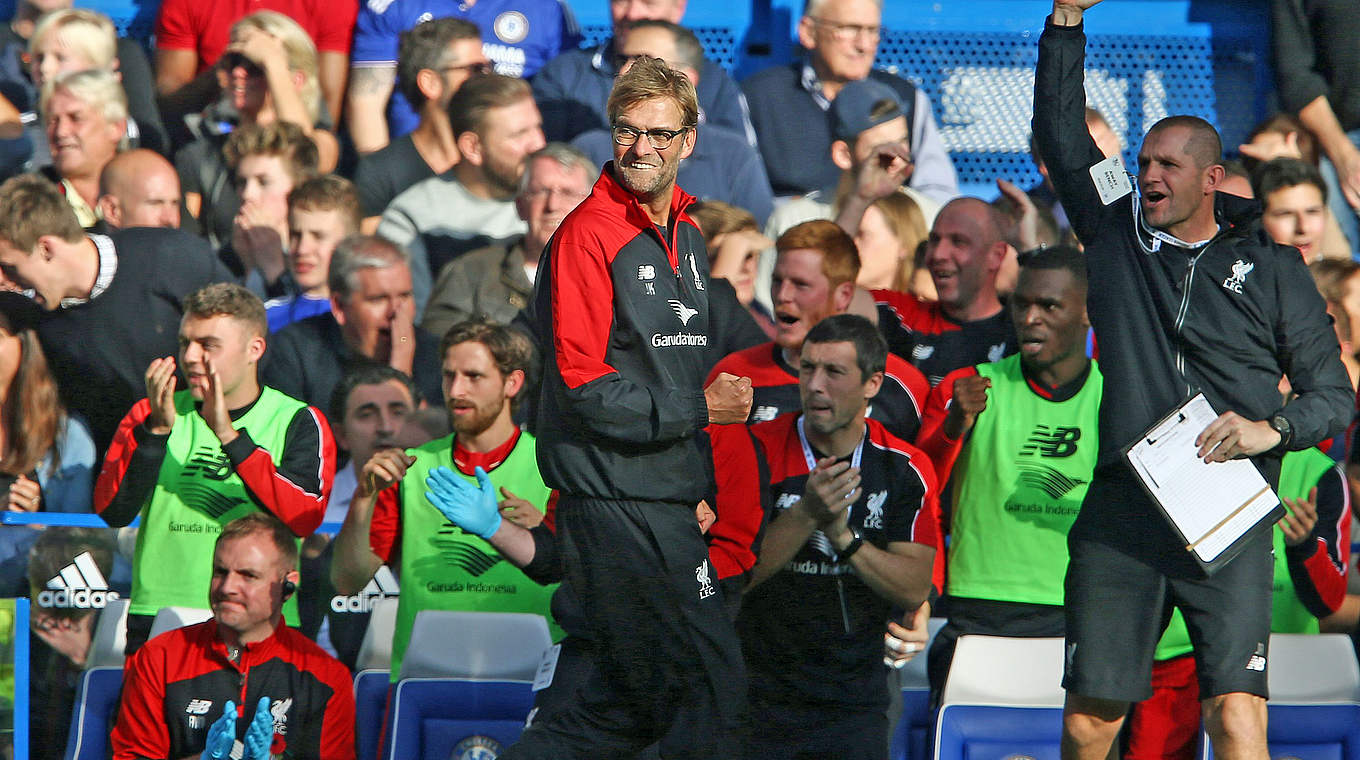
(853, 109)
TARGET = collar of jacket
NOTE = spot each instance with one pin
(607, 190)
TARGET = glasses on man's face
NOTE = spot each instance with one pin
(659, 139)
(847, 32)
(473, 69)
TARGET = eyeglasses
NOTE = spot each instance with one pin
(474, 69)
(660, 139)
(848, 32)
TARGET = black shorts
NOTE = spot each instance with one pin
(1117, 606)
(815, 732)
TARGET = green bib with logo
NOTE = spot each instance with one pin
(1299, 472)
(446, 568)
(197, 493)
(1018, 485)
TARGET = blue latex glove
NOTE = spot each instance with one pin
(472, 508)
(260, 733)
(221, 734)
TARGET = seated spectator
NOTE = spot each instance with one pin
(494, 283)
(573, 89)
(372, 319)
(1338, 281)
(789, 104)
(78, 40)
(112, 302)
(139, 188)
(435, 58)
(484, 367)
(1294, 198)
(968, 324)
(191, 461)
(814, 278)
(889, 233)
(295, 700)
(191, 39)
(734, 243)
(1044, 196)
(271, 73)
(62, 625)
(853, 536)
(517, 36)
(46, 455)
(724, 166)
(322, 211)
(266, 162)
(1008, 524)
(85, 115)
(371, 409)
(871, 131)
(496, 126)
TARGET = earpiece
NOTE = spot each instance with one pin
(288, 588)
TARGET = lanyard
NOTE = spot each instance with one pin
(812, 459)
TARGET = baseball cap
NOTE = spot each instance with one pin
(853, 110)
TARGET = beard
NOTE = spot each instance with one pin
(476, 421)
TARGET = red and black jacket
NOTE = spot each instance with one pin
(898, 405)
(176, 686)
(935, 344)
(622, 316)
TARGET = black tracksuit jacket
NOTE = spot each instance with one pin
(622, 318)
(1227, 318)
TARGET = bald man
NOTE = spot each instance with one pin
(968, 325)
(139, 188)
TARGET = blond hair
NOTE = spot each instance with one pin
(650, 78)
(301, 51)
(95, 87)
(87, 32)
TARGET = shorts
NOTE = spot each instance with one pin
(1118, 605)
(813, 732)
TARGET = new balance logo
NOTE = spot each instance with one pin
(79, 585)
(785, 501)
(920, 352)
(765, 413)
(682, 311)
(382, 585)
(1052, 442)
(198, 706)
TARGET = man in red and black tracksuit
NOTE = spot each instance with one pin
(969, 324)
(621, 403)
(177, 689)
(814, 278)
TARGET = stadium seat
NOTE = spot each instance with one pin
(370, 705)
(170, 618)
(110, 636)
(1314, 708)
(1003, 699)
(466, 682)
(909, 738)
(91, 719)
(375, 651)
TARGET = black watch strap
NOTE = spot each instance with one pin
(852, 547)
(1280, 424)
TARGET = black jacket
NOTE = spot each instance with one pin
(1227, 318)
(622, 317)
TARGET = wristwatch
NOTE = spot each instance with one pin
(855, 543)
(1280, 424)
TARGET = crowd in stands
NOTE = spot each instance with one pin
(285, 265)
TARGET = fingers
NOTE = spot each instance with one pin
(509, 495)
(1011, 191)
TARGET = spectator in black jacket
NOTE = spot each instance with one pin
(1187, 293)
(108, 314)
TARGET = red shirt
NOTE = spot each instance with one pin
(203, 25)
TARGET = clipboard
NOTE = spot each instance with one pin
(1214, 509)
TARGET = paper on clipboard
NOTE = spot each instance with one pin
(1211, 504)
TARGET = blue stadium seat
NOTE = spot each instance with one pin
(439, 718)
(1003, 699)
(92, 718)
(466, 682)
(1314, 708)
(910, 737)
(370, 705)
